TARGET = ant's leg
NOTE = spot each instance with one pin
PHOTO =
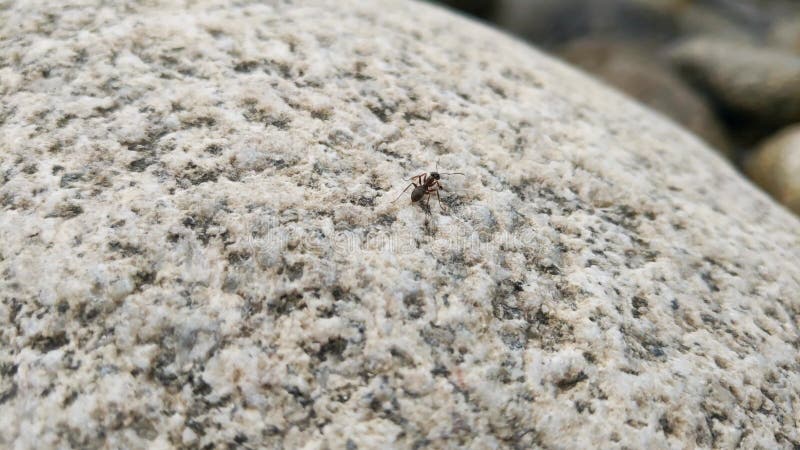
(404, 191)
(420, 178)
(440, 200)
(436, 190)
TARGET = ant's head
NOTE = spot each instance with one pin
(435, 175)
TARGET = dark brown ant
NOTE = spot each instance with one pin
(426, 184)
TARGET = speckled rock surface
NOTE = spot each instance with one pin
(199, 245)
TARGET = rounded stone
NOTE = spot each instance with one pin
(599, 277)
(775, 164)
(758, 82)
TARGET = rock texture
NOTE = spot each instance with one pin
(199, 246)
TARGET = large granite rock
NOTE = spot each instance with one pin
(199, 246)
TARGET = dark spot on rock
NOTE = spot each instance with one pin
(202, 226)
(237, 257)
(196, 426)
(230, 284)
(549, 269)
(200, 387)
(66, 211)
(409, 116)
(62, 307)
(337, 292)
(350, 445)
(287, 303)
(638, 303)
(245, 66)
(63, 120)
(382, 112)
(45, 343)
(421, 443)
(440, 371)
(334, 349)
(260, 115)
(200, 122)
(321, 114)
(160, 370)
(8, 369)
(581, 405)
(656, 350)
(144, 428)
(299, 396)
(363, 201)
(571, 381)
(197, 175)
(30, 169)
(240, 438)
(69, 399)
(9, 393)
(213, 149)
(283, 69)
(143, 278)
(414, 303)
(89, 315)
(339, 138)
(386, 220)
(541, 317)
(674, 304)
(710, 282)
(547, 330)
(514, 340)
(497, 89)
(139, 165)
(124, 248)
(505, 302)
(295, 271)
(146, 144)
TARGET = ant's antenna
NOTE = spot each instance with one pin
(445, 173)
(401, 194)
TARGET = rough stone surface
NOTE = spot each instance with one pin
(199, 246)
(754, 81)
(775, 167)
(644, 77)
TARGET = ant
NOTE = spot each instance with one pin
(426, 184)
